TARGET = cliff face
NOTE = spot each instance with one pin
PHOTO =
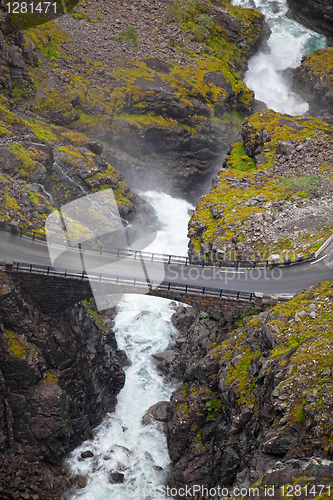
(255, 407)
(314, 81)
(314, 14)
(161, 84)
(59, 377)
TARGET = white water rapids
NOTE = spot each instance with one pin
(142, 328)
(288, 43)
(142, 324)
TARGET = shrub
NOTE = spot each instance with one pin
(290, 185)
(130, 33)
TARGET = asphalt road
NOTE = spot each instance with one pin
(276, 281)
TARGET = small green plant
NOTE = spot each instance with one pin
(78, 16)
(130, 34)
(308, 185)
(203, 26)
(183, 10)
(213, 407)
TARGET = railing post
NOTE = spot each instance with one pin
(152, 257)
(169, 285)
(82, 275)
(186, 288)
(30, 267)
(221, 292)
(48, 269)
(33, 235)
(237, 295)
(118, 253)
(203, 290)
(169, 259)
(135, 254)
(9, 266)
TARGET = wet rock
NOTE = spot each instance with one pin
(164, 360)
(316, 15)
(116, 477)
(158, 412)
(87, 454)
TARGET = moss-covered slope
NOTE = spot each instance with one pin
(273, 195)
(314, 80)
(164, 90)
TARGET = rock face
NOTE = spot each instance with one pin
(313, 80)
(314, 14)
(59, 377)
(272, 194)
(255, 406)
(14, 53)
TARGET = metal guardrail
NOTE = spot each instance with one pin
(157, 257)
(122, 280)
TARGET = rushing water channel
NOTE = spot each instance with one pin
(288, 43)
(142, 328)
(142, 325)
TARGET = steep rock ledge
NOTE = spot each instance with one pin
(314, 14)
(314, 81)
(255, 407)
(59, 377)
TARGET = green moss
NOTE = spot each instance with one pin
(92, 313)
(50, 378)
(17, 346)
(213, 408)
(48, 39)
(145, 120)
(42, 131)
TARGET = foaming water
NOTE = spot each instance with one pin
(173, 215)
(288, 43)
(142, 327)
(122, 444)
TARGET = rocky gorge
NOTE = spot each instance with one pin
(87, 103)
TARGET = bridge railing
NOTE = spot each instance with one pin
(135, 282)
(157, 257)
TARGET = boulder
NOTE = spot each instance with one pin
(158, 412)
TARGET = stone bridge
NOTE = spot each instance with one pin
(54, 293)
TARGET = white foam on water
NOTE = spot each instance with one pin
(288, 43)
(142, 327)
(173, 214)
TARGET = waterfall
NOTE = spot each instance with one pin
(142, 325)
(288, 43)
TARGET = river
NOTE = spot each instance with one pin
(142, 324)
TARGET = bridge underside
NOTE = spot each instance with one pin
(54, 294)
